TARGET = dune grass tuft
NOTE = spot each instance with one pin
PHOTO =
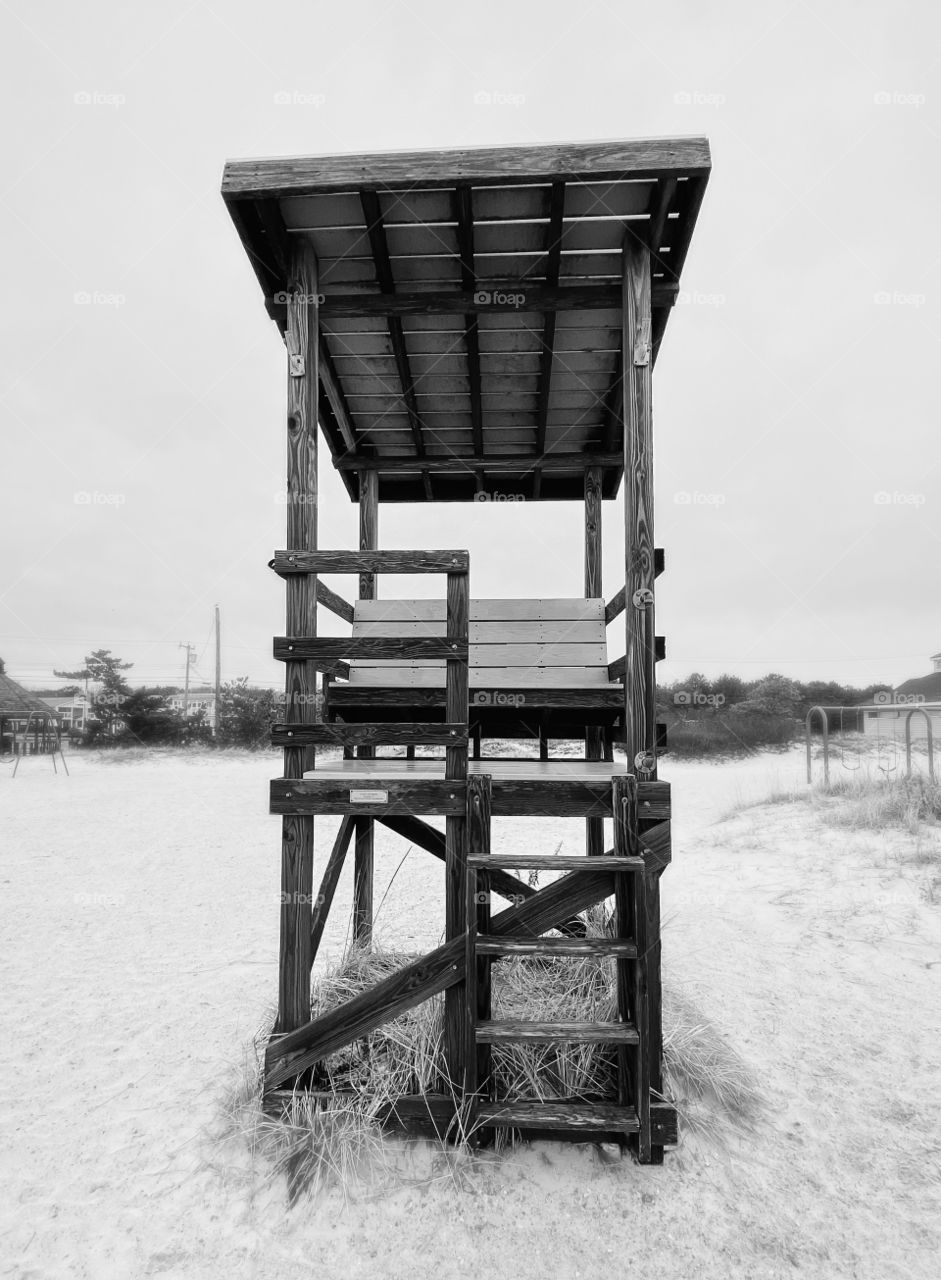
(334, 1138)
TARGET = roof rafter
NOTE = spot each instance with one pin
(464, 215)
(375, 229)
(553, 266)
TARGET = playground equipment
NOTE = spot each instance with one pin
(42, 735)
(466, 324)
(887, 752)
(27, 725)
(929, 738)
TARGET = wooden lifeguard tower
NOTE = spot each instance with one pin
(462, 323)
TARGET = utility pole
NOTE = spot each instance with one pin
(218, 684)
(190, 655)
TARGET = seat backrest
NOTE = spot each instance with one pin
(515, 644)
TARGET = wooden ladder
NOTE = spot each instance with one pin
(627, 1117)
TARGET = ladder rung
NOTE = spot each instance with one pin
(488, 945)
(553, 862)
(604, 1116)
(583, 1032)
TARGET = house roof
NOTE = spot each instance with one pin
(17, 701)
(928, 687)
(470, 302)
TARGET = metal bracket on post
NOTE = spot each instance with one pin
(645, 761)
(642, 598)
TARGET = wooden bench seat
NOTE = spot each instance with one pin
(514, 644)
(536, 668)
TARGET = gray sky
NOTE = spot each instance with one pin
(797, 381)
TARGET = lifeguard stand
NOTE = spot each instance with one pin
(462, 323)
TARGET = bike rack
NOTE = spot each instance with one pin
(908, 742)
(825, 729)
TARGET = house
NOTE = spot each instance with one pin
(71, 709)
(891, 709)
(199, 698)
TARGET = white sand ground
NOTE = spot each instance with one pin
(139, 940)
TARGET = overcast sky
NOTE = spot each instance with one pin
(796, 394)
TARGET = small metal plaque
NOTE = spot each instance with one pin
(369, 797)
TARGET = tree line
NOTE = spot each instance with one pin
(119, 715)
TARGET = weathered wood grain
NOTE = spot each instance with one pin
(586, 1117)
(558, 862)
(495, 464)
(336, 604)
(477, 967)
(289, 1055)
(515, 1030)
(297, 831)
(289, 563)
(432, 1115)
(640, 677)
(380, 171)
(381, 733)
(333, 648)
(364, 860)
(584, 699)
(555, 947)
(303, 796)
(633, 998)
(529, 299)
(320, 909)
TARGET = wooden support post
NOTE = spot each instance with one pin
(640, 687)
(477, 1071)
(364, 856)
(300, 680)
(594, 743)
(456, 1012)
(640, 709)
(593, 533)
(633, 995)
(649, 904)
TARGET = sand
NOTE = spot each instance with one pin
(140, 910)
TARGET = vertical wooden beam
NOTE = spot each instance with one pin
(593, 589)
(364, 855)
(633, 997)
(594, 743)
(300, 687)
(478, 1057)
(640, 675)
(456, 1012)
(368, 528)
(649, 905)
(640, 684)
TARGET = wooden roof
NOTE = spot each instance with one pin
(470, 302)
(17, 702)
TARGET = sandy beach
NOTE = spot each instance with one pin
(140, 907)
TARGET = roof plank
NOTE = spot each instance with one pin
(381, 170)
